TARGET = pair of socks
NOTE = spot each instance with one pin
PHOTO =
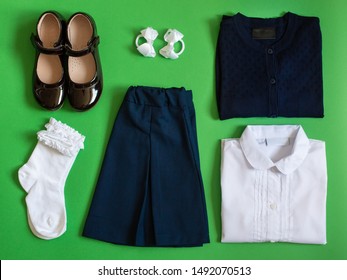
(43, 178)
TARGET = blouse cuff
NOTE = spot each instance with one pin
(61, 137)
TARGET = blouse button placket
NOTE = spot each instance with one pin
(273, 205)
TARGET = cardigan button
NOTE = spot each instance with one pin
(272, 81)
(270, 51)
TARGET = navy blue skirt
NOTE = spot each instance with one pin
(150, 190)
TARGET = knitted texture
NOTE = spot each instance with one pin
(269, 77)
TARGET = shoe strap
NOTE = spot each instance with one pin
(58, 48)
(92, 44)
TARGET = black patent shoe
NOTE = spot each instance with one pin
(84, 79)
(48, 74)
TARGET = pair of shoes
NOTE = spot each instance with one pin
(172, 36)
(67, 61)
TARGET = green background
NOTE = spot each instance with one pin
(118, 23)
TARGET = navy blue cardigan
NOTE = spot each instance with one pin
(269, 67)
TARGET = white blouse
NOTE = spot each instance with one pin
(274, 185)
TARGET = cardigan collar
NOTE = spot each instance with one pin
(287, 22)
(259, 160)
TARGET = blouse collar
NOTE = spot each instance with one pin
(259, 160)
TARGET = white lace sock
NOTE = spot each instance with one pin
(43, 178)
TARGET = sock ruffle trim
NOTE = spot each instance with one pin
(61, 137)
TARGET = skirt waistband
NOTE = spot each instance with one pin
(160, 97)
